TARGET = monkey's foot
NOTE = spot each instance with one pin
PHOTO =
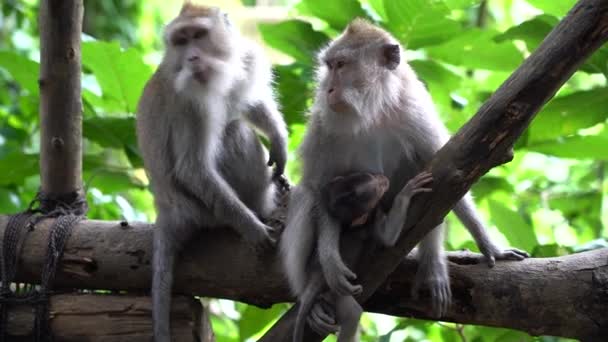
(339, 279)
(439, 290)
(496, 253)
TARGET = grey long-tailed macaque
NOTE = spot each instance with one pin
(207, 167)
(352, 199)
(370, 114)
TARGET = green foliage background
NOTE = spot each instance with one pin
(550, 200)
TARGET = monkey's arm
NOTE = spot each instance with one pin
(337, 274)
(217, 195)
(264, 115)
(387, 228)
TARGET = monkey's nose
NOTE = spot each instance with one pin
(193, 58)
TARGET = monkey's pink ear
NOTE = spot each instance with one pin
(391, 56)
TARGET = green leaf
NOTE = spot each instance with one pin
(566, 115)
(440, 81)
(552, 250)
(460, 4)
(254, 319)
(16, 167)
(378, 7)
(23, 70)
(488, 184)
(477, 49)
(121, 74)
(110, 132)
(519, 233)
(532, 31)
(558, 8)
(98, 173)
(295, 38)
(295, 88)
(7, 202)
(114, 132)
(576, 147)
(336, 13)
(420, 23)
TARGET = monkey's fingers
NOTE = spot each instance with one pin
(512, 254)
(343, 287)
(320, 321)
(441, 296)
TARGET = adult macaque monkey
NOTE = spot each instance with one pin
(207, 166)
(371, 114)
(352, 199)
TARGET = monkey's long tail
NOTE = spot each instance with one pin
(306, 301)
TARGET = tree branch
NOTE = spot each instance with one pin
(486, 140)
(566, 296)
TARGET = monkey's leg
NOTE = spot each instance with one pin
(433, 271)
(169, 236)
(245, 169)
(348, 313)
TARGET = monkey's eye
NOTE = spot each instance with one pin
(200, 33)
(328, 64)
(340, 64)
(179, 41)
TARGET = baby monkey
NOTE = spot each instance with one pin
(353, 200)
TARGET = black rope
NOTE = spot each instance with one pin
(68, 210)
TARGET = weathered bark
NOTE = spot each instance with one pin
(60, 101)
(486, 140)
(564, 296)
(116, 318)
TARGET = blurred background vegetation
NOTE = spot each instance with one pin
(552, 199)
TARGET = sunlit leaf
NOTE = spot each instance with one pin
(558, 8)
(295, 90)
(121, 74)
(420, 23)
(477, 49)
(337, 13)
(565, 115)
(254, 319)
(16, 167)
(519, 233)
(23, 70)
(575, 147)
(295, 38)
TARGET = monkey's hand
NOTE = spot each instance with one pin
(259, 236)
(492, 253)
(339, 277)
(277, 156)
(322, 317)
(416, 185)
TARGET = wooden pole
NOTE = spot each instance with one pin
(60, 100)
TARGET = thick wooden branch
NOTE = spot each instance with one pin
(485, 141)
(559, 296)
(96, 318)
(60, 101)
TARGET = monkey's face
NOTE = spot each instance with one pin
(355, 76)
(198, 49)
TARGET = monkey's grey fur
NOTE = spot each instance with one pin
(371, 114)
(207, 167)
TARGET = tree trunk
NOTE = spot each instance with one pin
(60, 101)
(110, 318)
(566, 296)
